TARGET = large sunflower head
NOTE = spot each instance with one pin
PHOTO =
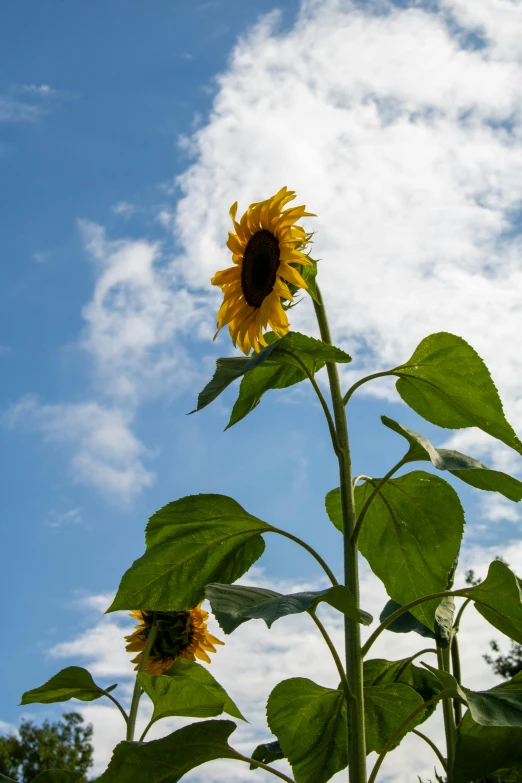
(266, 246)
(180, 635)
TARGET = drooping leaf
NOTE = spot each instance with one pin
(406, 622)
(56, 776)
(310, 723)
(283, 368)
(482, 750)
(267, 752)
(447, 383)
(465, 468)
(378, 671)
(73, 682)
(233, 605)
(410, 536)
(191, 542)
(449, 684)
(499, 599)
(386, 708)
(187, 689)
(167, 760)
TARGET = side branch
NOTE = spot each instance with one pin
(310, 549)
(375, 492)
(353, 388)
(266, 767)
(342, 674)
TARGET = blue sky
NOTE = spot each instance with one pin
(126, 130)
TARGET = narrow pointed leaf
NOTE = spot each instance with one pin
(310, 723)
(447, 383)
(187, 689)
(168, 759)
(73, 682)
(465, 468)
(386, 707)
(410, 536)
(450, 686)
(499, 599)
(267, 752)
(191, 542)
(233, 605)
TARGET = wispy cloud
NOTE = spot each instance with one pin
(25, 102)
(125, 209)
(63, 519)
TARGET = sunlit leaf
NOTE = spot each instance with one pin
(73, 682)
(386, 708)
(380, 672)
(499, 599)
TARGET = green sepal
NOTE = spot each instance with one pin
(73, 682)
(447, 383)
(168, 759)
(310, 723)
(189, 690)
(233, 605)
(460, 465)
(267, 752)
(410, 536)
(309, 275)
(191, 542)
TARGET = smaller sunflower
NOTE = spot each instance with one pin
(181, 634)
(266, 246)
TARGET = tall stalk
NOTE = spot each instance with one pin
(354, 671)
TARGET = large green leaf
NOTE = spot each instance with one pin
(482, 750)
(499, 599)
(73, 682)
(6, 779)
(189, 690)
(386, 708)
(267, 752)
(57, 776)
(496, 707)
(233, 605)
(167, 760)
(378, 671)
(410, 536)
(310, 723)
(465, 468)
(447, 383)
(283, 368)
(191, 542)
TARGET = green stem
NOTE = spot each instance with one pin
(342, 674)
(433, 747)
(455, 668)
(375, 492)
(422, 652)
(395, 615)
(117, 703)
(354, 672)
(266, 767)
(146, 729)
(449, 722)
(393, 739)
(310, 549)
(364, 380)
(456, 624)
(133, 712)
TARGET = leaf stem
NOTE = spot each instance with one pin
(433, 747)
(421, 652)
(310, 549)
(131, 723)
(352, 632)
(395, 616)
(266, 767)
(393, 739)
(456, 624)
(455, 668)
(342, 674)
(364, 380)
(449, 722)
(117, 703)
(377, 488)
(146, 729)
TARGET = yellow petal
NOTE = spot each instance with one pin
(226, 276)
(291, 275)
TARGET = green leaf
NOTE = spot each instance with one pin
(465, 468)
(9, 780)
(386, 707)
(233, 605)
(167, 760)
(191, 542)
(57, 776)
(70, 683)
(450, 686)
(310, 723)
(189, 690)
(283, 368)
(406, 622)
(496, 707)
(378, 671)
(447, 383)
(482, 750)
(267, 752)
(410, 536)
(499, 599)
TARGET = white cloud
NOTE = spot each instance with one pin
(125, 209)
(61, 519)
(407, 142)
(255, 659)
(38, 89)
(106, 454)
(12, 109)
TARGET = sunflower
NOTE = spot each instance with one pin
(180, 635)
(265, 247)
